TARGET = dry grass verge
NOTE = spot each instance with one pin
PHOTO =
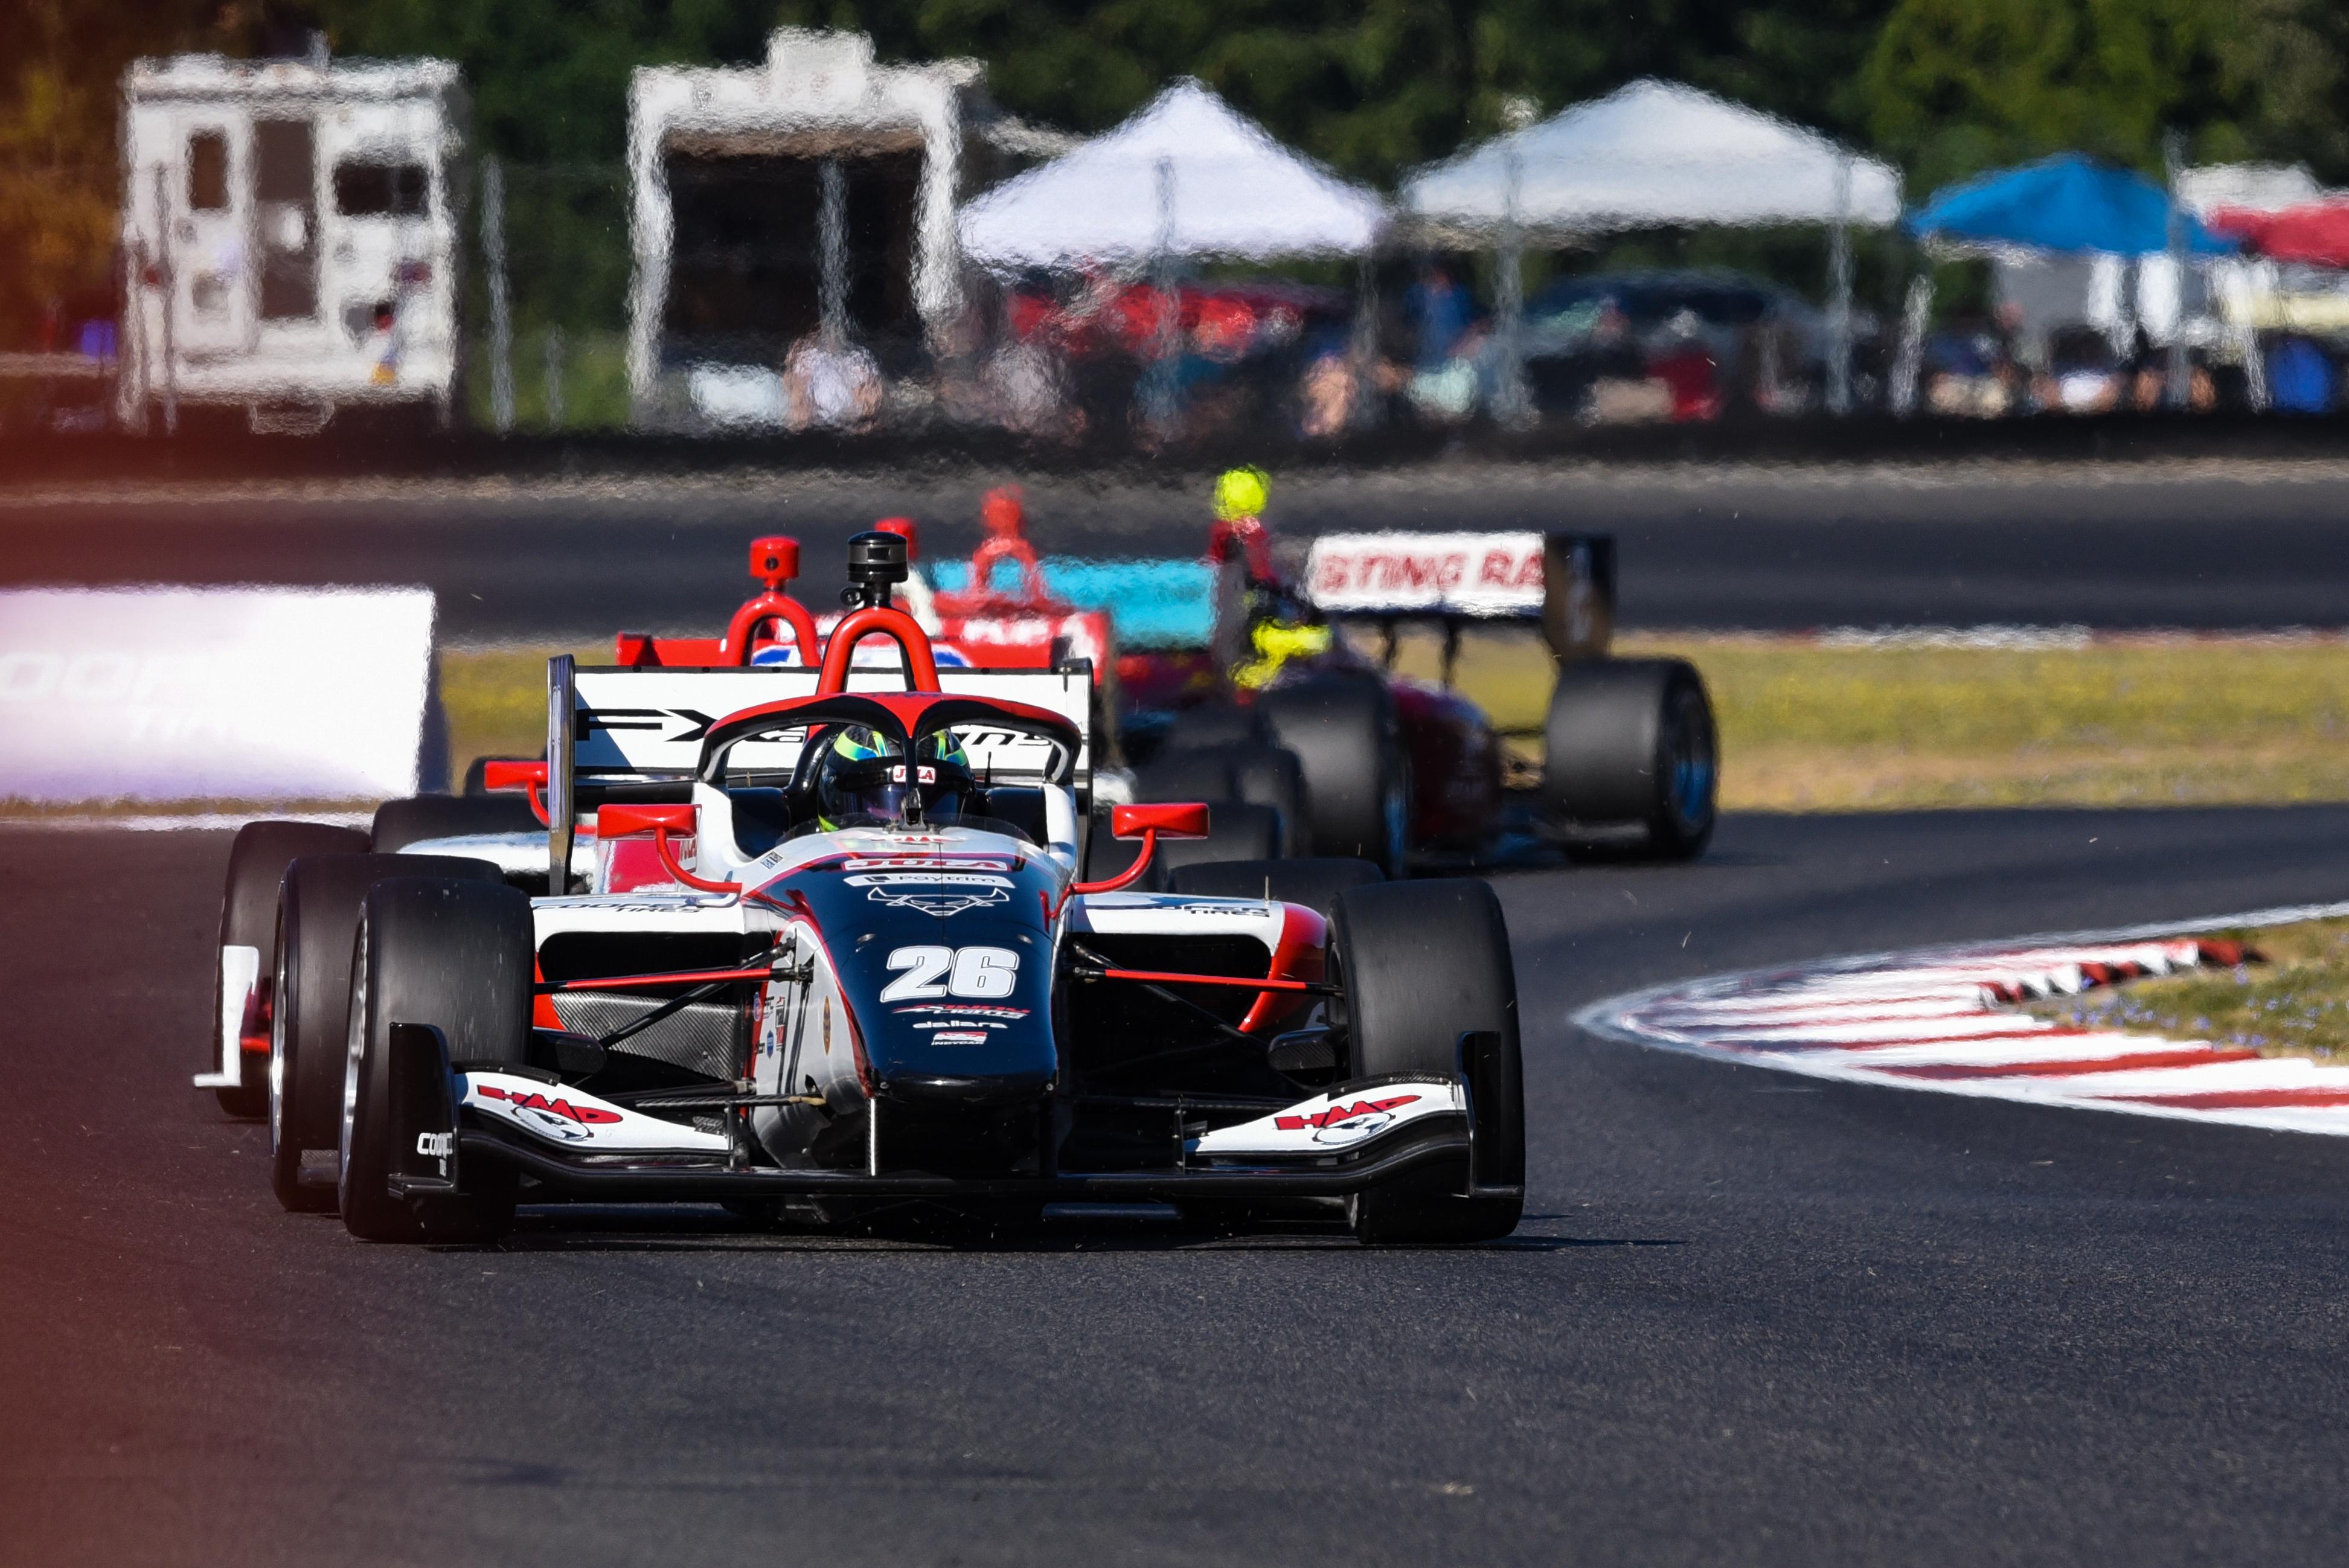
(1808, 725)
(2294, 1004)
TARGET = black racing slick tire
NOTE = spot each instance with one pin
(422, 818)
(1258, 775)
(1633, 741)
(1314, 883)
(256, 866)
(317, 918)
(456, 955)
(1349, 752)
(1422, 963)
(1218, 725)
(1235, 831)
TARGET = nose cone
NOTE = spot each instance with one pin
(978, 1090)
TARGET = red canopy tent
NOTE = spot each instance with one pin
(2315, 232)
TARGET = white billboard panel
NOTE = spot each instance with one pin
(212, 693)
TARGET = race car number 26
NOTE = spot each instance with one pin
(951, 972)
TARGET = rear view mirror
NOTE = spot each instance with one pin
(1185, 820)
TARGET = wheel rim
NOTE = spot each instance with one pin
(279, 996)
(1394, 812)
(355, 1042)
(1689, 766)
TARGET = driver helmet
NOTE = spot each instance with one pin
(865, 774)
(1241, 493)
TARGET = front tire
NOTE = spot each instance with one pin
(1422, 963)
(456, 955)
(309, 1025)
(421, 819)
(256, 869)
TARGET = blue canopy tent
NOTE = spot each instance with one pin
(2068, 202)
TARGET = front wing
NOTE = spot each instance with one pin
(1342, 1141)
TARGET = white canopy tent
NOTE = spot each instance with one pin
(1652, 155)
(1656, 154)
(1184, 176)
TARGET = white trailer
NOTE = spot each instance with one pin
(290, 229)
(813, 192)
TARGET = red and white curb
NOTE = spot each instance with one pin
(1939, 1018)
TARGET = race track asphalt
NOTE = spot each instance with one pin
(1748, 1319)
(2118, 546)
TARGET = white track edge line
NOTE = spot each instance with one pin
(1599, 1017)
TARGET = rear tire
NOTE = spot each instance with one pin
(421, 819)
(309, 1025)
(1218, 725)
(456, 955)
(1315, 884)
(1633, 740)
(1422, 963)
(256, 867)
(1349, 753)
(1235, 831)
(1258, 775)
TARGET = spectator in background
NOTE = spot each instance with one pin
(1326, 393)
(2082, 376)
(2300, 378)
(1684, 361)
(830, 384)
(2147, 368)
(1440, 315)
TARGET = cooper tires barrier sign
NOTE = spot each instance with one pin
(196, 694)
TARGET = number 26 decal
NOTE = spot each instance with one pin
(951, 972)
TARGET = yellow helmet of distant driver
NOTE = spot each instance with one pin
(1241, 493)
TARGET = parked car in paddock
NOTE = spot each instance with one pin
(838, 960)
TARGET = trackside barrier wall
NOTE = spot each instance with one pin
(167, 694)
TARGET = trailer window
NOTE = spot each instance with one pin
(381, 190)
(208, 171)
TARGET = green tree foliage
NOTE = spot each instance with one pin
(1946, 86)
(1954, 87)
(57, 170)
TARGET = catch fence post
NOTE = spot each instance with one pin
(555, 377)
(1839, 286)
(2176, 379)
(493, 260)
(1512, 407)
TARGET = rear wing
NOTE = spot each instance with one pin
(619, 725)
(648, 724)
(1564, 582)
